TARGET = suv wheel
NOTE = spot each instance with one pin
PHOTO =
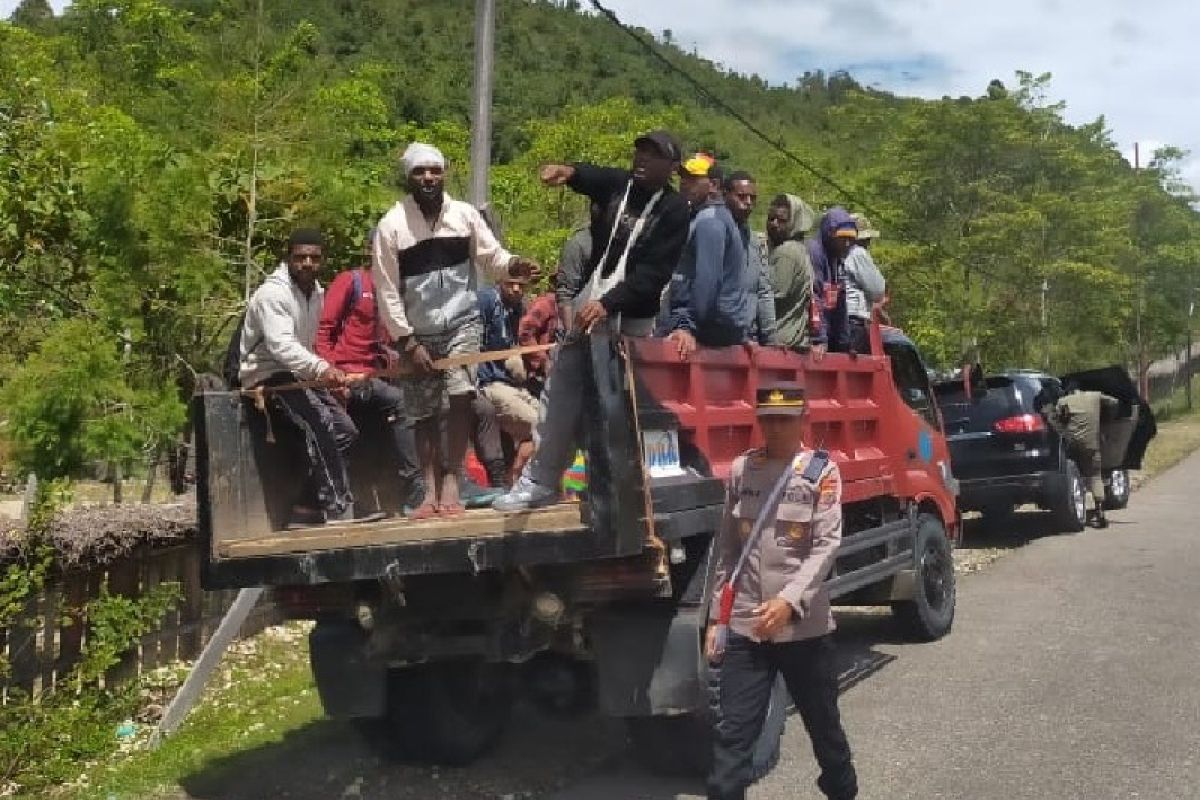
(1117, 490)
(1070, 507)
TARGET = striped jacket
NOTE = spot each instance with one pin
(426, 278)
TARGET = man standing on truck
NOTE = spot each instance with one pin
(638, 237)
(276, 349)
(351, 338)
(1077, 416)
(427, 251)
(781, 527)
(791, 272)
(710, 299)
(864, 285)
(740, 193)
(828, 252)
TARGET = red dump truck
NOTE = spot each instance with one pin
(425, 630)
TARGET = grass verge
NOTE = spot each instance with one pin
(262, 691)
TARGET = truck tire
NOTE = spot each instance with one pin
(929, 615)
(1070, 506)
(447, 713)
(1117, 490)
(682, 745)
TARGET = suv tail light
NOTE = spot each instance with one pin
(1022, 423)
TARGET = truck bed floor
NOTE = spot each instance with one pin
(475, 524)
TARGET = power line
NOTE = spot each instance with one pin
(777, 145)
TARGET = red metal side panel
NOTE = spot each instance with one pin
(880, 444)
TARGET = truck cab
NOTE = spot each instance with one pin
(427, 628)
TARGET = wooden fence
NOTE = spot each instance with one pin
(43, 647)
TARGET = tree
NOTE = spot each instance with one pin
(36, 15)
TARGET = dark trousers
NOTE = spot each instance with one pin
(385, 402)
(860, 336)
(748, 671)
(327, 431)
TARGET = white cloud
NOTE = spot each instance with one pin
(1107, 57)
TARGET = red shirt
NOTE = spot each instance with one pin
(539, 326)
(351, 341)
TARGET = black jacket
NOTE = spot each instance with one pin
(655, 254)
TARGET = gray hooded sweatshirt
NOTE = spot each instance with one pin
(792, 279)
(280, 330)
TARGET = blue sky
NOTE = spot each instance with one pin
(1138, 65)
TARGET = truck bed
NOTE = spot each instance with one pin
(475, 524)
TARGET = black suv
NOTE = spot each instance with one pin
(1003, 451)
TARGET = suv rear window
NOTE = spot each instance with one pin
(978, 413)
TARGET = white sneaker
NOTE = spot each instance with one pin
(525, 494)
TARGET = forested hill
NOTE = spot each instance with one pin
(156, 152)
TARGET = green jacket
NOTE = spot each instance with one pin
(792, 279)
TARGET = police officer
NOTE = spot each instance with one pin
(782, 525)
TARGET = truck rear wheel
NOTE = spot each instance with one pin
(1070, 507)
(930, 613)
(682, 745)
(445, 713)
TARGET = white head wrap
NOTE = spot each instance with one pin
(419, 154)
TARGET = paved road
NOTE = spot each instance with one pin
(1072, 672)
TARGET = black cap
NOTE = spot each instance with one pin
(783, 398)
(662, 141)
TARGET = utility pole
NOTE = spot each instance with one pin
(481, 120)
(1187, 364)
(1143, 371)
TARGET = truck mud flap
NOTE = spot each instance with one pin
(350, 684)
(648, 661)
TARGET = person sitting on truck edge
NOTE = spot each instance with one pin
(426, 254)
(828, 254)
(1077, 416)
(865, 285)
(642, 226)
(503, 382)
(791, 272)
(741, 196)
(277, 348)
(351, 337)
(711, 302)
(771, 611)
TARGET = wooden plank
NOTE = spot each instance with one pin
(189, 693)
(123, 581)
(70, 637)
(149, 567)
(482, 523)
(191, 608)
(172, 572)
(22, 648)
(48, 646)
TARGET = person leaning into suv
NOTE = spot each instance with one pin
(1077, 416)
